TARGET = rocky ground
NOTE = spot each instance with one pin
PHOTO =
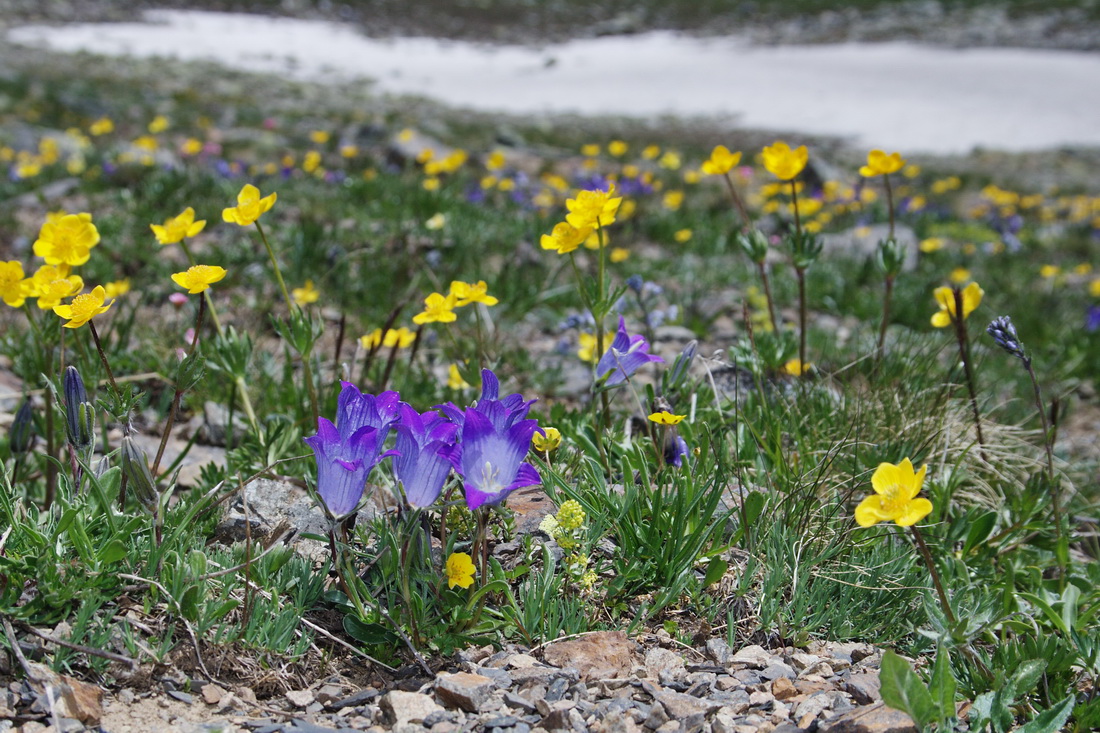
(602, 681)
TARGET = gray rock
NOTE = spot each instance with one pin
(864, 688)
(870, 719)
(814, 706)
(660, 660)
(468, 691)
(719, 651)
(753, 656)
(778, 669)
(408, 707)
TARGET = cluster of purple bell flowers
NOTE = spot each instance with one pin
(484, 443)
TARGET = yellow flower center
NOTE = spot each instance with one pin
(85, 306)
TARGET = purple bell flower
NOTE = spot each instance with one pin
(425, 445)
(491, 456)
(625, 355)
(347, 451)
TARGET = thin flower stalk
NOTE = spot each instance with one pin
(964, 354)
(179, 390)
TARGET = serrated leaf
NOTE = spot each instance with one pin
(942, 686)
(903, 690)
(1050, 720)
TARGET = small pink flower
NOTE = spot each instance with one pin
(270, 123)
(178, 299)
(189, 335)
(181, 354)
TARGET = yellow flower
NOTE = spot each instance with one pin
(721, 161)
(455, 380)
(670, 160)
(349, 151)
(784, 163)
(1094, 288)
(460, 570)
(591, 150)
(305, 295)
(1049, 271)
(83, 308)
(191, 146)
(52, 284)
(158, 124)
(673, 200)
(651, 151)
(249, 206)
(1082, 269)
(796, 368)
(548, 442)
(945, 316)
(13, 283)
(177, 228)
(495, 161)
(895, 498)
(117, 288)
(437, 221)
(571, 515)
(102, 126)
(198, 278)
(617, 148)
(400, 337)
(467, 293)
(311, 162)
(932, 244)
(619, 254)
(682, 235)
(664, 417)
(564, 238)
(319, 136)
(880, 164)
(959, 275)
(437, 309)
(67, 239)
(593, 208)
(586, 350)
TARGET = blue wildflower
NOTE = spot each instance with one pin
(425, 444)
(625, 355)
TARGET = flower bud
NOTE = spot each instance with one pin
(890, 256)
(755, 245)
(1004, 334)
(79, 412)
(21, 438)
(135, 467)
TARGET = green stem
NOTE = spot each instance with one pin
(106, 366)
(964, 354)
(275, 267)
(1055, 497)
(889, 202)
(935, 575)
(886, 298)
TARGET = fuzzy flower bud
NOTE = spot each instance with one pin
(21, 437)
(135, 467)
(79, 412)
(1004, 334)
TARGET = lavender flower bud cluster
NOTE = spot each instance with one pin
(1004, 334)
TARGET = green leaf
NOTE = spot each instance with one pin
(368, 633)
(903, 690)
(754, 506)
(1028, 674)
(111, 553)
(715, 570)
(942, 686)
(1070, 597)
(979, 532)
(1048, 611)
(1050, 720)
(981, 711)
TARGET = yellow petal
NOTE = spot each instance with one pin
(917, 480)
(945, 296)
(913, 512)
(941, 319)
(887, 475)
(972, 298)
(870, 511)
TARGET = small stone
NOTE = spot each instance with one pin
(864, 688)
(245, 693)
(521, 661)
(870, 719)
(329, 694)
(212, 694)
(761, 699)
(183, 697)
(656, 718)
(602, 655)
(801, 660)
(356, 699)
(813, 705)
(659, 660)
(817, 669)
(467, 691)
(778, 669)
(783, 689)
(671, 726)
(401, 707)
(754, 656)
(300, 698)
(519, 702)
(719, 651)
